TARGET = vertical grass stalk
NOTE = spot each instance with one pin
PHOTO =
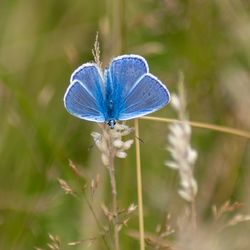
(111, 169)
(139, 185)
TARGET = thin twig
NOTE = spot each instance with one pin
(139, 185)
(89, 205)
(111, 170)
(114, 206)
(228, 130)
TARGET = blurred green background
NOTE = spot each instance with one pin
(42, 42)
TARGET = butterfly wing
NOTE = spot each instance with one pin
(147, 95)
(84, 96)
(120, 77)
(125, 71)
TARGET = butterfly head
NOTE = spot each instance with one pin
(111, 123)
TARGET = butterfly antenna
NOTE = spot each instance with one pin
(95, 140)
(139, 139)
(91, 146)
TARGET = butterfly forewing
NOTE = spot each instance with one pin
(84, 97)
(89, 75)
(147, 96)
(125, 71)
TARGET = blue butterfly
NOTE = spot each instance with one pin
(125, 91)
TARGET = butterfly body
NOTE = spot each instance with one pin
(125, 91)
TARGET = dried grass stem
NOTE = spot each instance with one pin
(139, 185)
(111, 170)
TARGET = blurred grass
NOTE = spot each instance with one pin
(41, 43)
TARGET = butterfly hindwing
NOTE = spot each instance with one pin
(147, 96)
(84, 97)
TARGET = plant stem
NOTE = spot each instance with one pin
(139, 185)
(111, 170)
(114, 205)
(96, 219)
(228, 130)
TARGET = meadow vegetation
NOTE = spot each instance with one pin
(55, 171)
